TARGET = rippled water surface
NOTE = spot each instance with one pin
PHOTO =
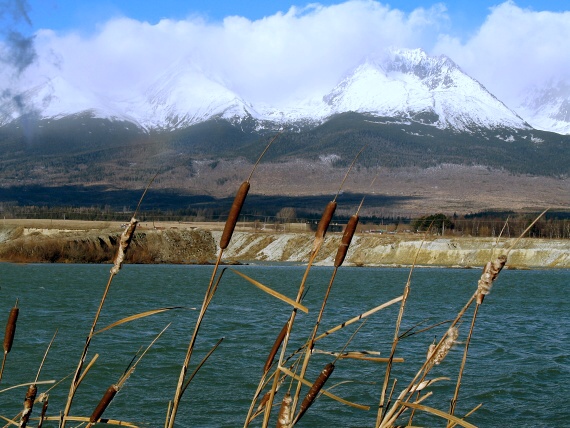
(518, 364)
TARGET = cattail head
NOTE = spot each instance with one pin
(104, 403)
(43, 398)
(346, 240)
(234, 215)
(28, 405)
(324, 224)
(430, 351)
(490, 273)
(275, 348)
(438, 354)
(126, 238)
(285, 412)
(314, 391)
(11, 329)
(263, 401)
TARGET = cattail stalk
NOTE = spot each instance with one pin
(125, 241)
(381, 406)
(392, 413)
(347, 236)
(462, 367)
(318, 242)
(9, 334)
(229, 228)
(322, 228)
(126, 238)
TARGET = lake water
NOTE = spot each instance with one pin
(518, 364)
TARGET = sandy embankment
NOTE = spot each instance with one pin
(95, 242)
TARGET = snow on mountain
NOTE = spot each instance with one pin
(182, 97)
(548, 108)
(413, 86)
(57, 98)
(407, 84)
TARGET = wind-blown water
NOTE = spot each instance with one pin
(518, 365)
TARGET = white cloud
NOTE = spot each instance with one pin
(304, 52)
(279, 58)
(514, 50)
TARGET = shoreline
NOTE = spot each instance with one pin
(65, 241)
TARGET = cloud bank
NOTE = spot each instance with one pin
(303, 53)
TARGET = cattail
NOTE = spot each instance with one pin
(45, 399)
(104, 403)
(346, 240)
(263, 401)
(126, 238)
(443, 350)
(234, 214)
(313, 392)
(275, 348)
(28, 405)
(490, 273)
(11, 328)
(325, 219)
(430, 351)
(285, 412)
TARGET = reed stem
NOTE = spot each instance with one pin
(463, 362)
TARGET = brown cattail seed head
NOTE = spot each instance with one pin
(325, 219)
(263, 401)
(314, 391)
(234, 214)
(126, 238)
(346, 240)
(11, 329)
(490, 273)
(324, 224)
(104, 403)
(275, 348)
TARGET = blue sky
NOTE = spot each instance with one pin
(65, 15)
(276, 52)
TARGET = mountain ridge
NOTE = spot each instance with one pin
(403, 83)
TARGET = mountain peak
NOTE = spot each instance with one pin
(414, 86)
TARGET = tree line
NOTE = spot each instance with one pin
(555, 225)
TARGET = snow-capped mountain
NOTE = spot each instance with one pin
(182, 97)
(408, 85)
(411, 85)
(548, 108)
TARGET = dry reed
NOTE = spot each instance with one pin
(229, 228)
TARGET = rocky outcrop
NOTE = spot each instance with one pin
(98, 246)
(193, 245)
(393, 250)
